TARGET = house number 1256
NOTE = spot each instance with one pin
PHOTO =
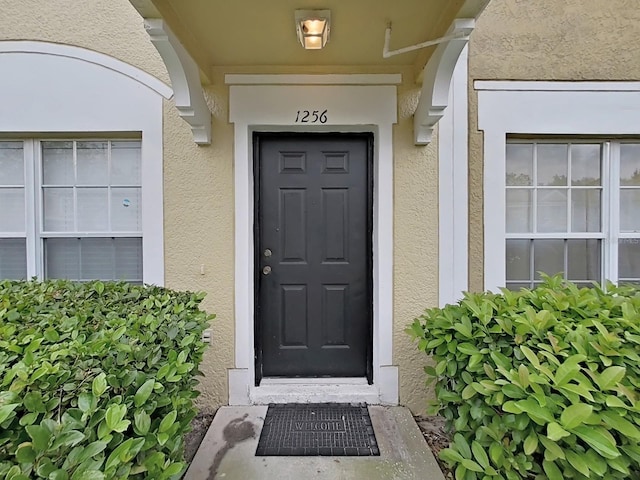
(315, 116)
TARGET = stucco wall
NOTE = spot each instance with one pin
(415, 245)
(199, 195)
(110, 27)
(543, 40)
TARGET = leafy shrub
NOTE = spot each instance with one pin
(540, 383)
(96, 380)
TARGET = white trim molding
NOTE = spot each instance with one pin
(185, 79)
(268, 108)
(89, 56)
(541, 108)
(453, 214)
(328, 79)
(438, 72)
(89, 93)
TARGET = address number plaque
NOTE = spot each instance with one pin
(311, 116)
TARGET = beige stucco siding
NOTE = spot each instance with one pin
(415, 244)
(567, 40)
(198, 202)
(199, 186)
(110, 27)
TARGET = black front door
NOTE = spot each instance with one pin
(313, 255)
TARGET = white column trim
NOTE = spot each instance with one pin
(185, 79)
(453, 189)
(255, 108)
(438, 72)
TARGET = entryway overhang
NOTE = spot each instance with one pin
(252, 36)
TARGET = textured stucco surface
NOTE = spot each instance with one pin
(199, 191)
(198, 202)
(415, 245)
(544, 40)
(111, 27)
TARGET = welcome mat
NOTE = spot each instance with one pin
(313, 429)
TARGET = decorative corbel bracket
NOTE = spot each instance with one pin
(185, 79)
(437, 75)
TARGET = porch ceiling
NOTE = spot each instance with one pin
(260, 33)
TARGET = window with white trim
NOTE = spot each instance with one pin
(71, 209)
(572, 207)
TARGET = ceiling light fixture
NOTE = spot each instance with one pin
(313, 28)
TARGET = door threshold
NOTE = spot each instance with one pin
(314, 390)
(314, 381)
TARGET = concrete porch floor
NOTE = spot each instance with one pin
(228, 451)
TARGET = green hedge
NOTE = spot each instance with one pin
(538, 384)
(96, 380)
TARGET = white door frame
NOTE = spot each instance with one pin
(271, 103)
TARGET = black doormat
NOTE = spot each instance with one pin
(312, 429)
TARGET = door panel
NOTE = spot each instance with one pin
(313, 258)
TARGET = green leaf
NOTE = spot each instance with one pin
(530, 355)
(552, 449)
(462, 445)
(115, 414)
(6, 410)
(173, 469)
(86, 402)
(471, 465)
(162, 438)
(58, 475)
(33, 402)
(568, 369)
(610, 377)
(575, 415)
(119, 455)
(51, 334)
(532, 408)
(480, 455)
(599, 439)
(530, 443)
(496, 452)
(91, 450)
(468, 348)
(578, 462)
(92, 475)
(28, 419)
(119, 332)
(615, 402)
(40, 437)
(523, 375)
(450, 456)
(142, 422)
(595, 462)
(68, 439)
(555, 432)
(25, 453)
(511, 407)
(144, 392)
(168, 421)
(98, 287)
(620, 424)
(552, 471)
(468, 392)
(99, 385)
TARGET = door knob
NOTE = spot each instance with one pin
(266, 270)
(267, 253)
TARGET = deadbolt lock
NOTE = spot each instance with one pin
(267, 253)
